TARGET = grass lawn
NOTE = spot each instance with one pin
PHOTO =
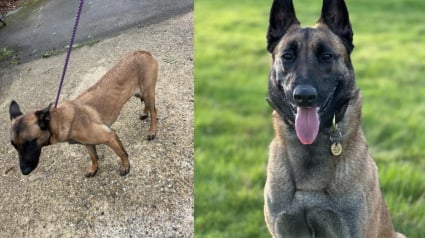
(233, 121)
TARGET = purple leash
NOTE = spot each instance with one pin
(71, 43)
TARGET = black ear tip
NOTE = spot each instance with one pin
(14, 104)
(270, 47)
(282, 18)
(14, 110)
(335, 15)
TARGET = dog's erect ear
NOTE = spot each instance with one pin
(43, 117)
(14, 110)
(335, 16)
(282, 17)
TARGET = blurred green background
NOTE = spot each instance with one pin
(233, 125)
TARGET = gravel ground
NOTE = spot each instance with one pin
(156, 198)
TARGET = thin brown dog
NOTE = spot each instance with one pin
(87, 119)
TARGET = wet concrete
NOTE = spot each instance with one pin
(42, 26)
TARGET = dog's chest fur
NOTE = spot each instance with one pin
(307, 190)
(311, 168)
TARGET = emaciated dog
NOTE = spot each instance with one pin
(87, 119)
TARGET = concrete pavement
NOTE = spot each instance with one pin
(46, 25)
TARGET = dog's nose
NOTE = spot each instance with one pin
(305, 95)
(26, 170)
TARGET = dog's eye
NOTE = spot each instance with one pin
(326, 56)
(288, 56)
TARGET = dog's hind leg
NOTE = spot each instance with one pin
(91, 171)
(150, 108)
(145, 113)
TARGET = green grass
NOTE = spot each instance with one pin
(8, 57)
(233, 122)
(5, 53)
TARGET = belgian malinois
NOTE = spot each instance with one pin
(321, 181)
(87, 119)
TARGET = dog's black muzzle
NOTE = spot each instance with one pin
(28, 165)
(29, 157)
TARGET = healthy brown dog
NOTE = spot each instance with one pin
(87, 119)
(321, 180)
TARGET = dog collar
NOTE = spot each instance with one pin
(278, 110)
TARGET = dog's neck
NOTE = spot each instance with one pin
(56, 119)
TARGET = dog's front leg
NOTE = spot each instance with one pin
(91, 171)
(115, 144)
(95, 134)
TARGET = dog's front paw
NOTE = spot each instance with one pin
(124, 170)
(150, 136)
(143, 116)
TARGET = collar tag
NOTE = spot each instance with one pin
(335, 137)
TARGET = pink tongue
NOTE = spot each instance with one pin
(307, 124)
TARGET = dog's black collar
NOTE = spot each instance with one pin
(278, 110)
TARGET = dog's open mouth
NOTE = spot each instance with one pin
(307, 120)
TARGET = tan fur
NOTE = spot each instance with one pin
(87, 119)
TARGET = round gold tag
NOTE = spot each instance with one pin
(336, 149)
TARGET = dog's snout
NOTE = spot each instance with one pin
(26, 170)
(305, 95)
